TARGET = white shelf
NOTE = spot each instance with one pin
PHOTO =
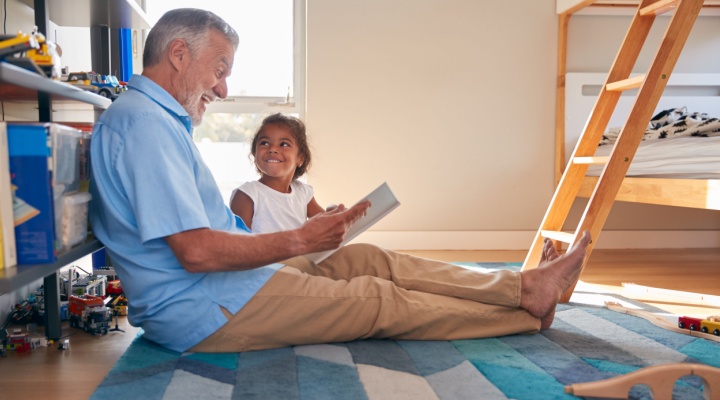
(86, 13)
(13, 75)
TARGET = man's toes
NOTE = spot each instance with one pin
(584, 240)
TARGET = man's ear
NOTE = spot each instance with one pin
(179, 54)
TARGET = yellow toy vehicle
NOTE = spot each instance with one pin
(46, 57)
(32, 52)
(19, 43)
(711, 324)
(82, 80)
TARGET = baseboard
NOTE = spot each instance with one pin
(521, 240)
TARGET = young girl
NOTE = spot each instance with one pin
(277, 201)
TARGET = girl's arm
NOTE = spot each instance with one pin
(313, 208)
(242, 205)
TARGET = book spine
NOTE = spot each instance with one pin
(8, 257)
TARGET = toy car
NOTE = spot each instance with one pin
(81, 80)
(89, 313)
(711, 324)
(107, 85)
(689, 323)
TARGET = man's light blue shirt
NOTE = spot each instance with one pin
(148, 182)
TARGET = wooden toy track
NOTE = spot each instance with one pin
(659, 321)
(659, 378)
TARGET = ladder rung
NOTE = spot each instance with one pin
(557, 235)
(591, 160)
(626, 84)
(659, 7)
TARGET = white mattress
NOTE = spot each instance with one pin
(681, 157)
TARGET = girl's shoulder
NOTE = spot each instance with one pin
(302, 188)
(250, 188)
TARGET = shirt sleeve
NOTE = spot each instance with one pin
(156, 166)
(309, 193)
(251, 190)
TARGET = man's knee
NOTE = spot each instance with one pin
(362, 249)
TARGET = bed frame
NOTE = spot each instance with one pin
(580, 90)
(613, 184)
(698, 92)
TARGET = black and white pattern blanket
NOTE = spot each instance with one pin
(673, 122)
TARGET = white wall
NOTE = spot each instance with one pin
(453, 102)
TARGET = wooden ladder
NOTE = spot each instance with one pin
(651, 86)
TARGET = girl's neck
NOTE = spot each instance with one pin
(281, 185)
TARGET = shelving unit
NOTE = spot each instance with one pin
(21, 275)
(17, 84)
(21, 84)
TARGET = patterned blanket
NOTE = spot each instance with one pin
(587, 342)
(673, 122)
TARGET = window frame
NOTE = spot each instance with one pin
(293, 103)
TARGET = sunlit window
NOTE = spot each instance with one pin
(267, 77)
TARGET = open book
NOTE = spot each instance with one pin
(382, 202)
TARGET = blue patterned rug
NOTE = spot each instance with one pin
(587, 342)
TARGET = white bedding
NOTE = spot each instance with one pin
(676, 144)
(692, 157)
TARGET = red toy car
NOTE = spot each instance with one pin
(689, 323)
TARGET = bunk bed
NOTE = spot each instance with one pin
(689, 180)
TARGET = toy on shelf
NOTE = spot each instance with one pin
(105, 85)
(46, 56)
(12, 44)
(80, 80)
(32, 52)
(89, 313)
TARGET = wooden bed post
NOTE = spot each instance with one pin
(563, 20)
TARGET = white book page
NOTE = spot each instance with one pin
(382, 201)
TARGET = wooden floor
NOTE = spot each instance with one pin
(49, 373)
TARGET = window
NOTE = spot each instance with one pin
(268, 76)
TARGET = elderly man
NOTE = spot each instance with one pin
(197, 280)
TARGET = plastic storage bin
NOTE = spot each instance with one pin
(74, 221)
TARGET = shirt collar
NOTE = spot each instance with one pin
(162, 97)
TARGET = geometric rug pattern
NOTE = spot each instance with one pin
(587, 342)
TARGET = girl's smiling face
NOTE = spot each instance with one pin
(276, 154)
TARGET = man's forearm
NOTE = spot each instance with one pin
(207, 250)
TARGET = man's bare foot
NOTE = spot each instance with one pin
(549, 253)
(541, 288)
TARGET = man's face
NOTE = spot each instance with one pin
(205, 78)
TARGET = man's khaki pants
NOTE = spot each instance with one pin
(362, 291)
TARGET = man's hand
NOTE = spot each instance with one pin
(208, 250)
(327, 230)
